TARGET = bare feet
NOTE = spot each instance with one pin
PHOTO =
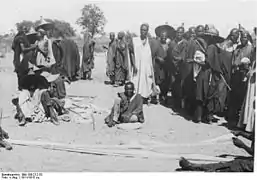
(22, 122)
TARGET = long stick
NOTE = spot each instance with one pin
(1, 117)
(93, 118)
(113, 152)
(73, 96)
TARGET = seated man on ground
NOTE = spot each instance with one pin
(36, 101)
(127, 108)
(3, 143)
(240, 164)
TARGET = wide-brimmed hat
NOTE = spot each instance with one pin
(32, 35)
(50, 77)
(44, 25)
(171, 33)
(212, 32)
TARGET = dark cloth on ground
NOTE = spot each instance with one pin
(238, 165)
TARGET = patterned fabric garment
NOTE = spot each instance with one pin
(31, 106)
(45, 45)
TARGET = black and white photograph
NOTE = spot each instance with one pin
(127, 86)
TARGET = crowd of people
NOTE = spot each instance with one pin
(204, 74)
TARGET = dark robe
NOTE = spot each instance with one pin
(187, 80)
(22, 67)
(18, 39)
(121, 61)
(220, 62)
(111, 60)
(57, 68)
(178, 56)
(238, 82)
(127, 109)
(159, 68)
(88, 57)
(59, 90)
(71, 58)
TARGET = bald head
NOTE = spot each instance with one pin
(129, 89)
(144, 30)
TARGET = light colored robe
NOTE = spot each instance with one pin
(144, 78)
(247, 116)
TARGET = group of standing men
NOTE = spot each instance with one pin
(207, 75)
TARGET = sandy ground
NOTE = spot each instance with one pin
(162, 125)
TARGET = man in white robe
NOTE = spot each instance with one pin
(145, 52)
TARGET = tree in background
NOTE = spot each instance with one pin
(92, 19)
(61, 28)
(26, 23)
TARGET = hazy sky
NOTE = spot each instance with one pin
(128, 15)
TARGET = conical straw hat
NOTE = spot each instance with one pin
(44, 24)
